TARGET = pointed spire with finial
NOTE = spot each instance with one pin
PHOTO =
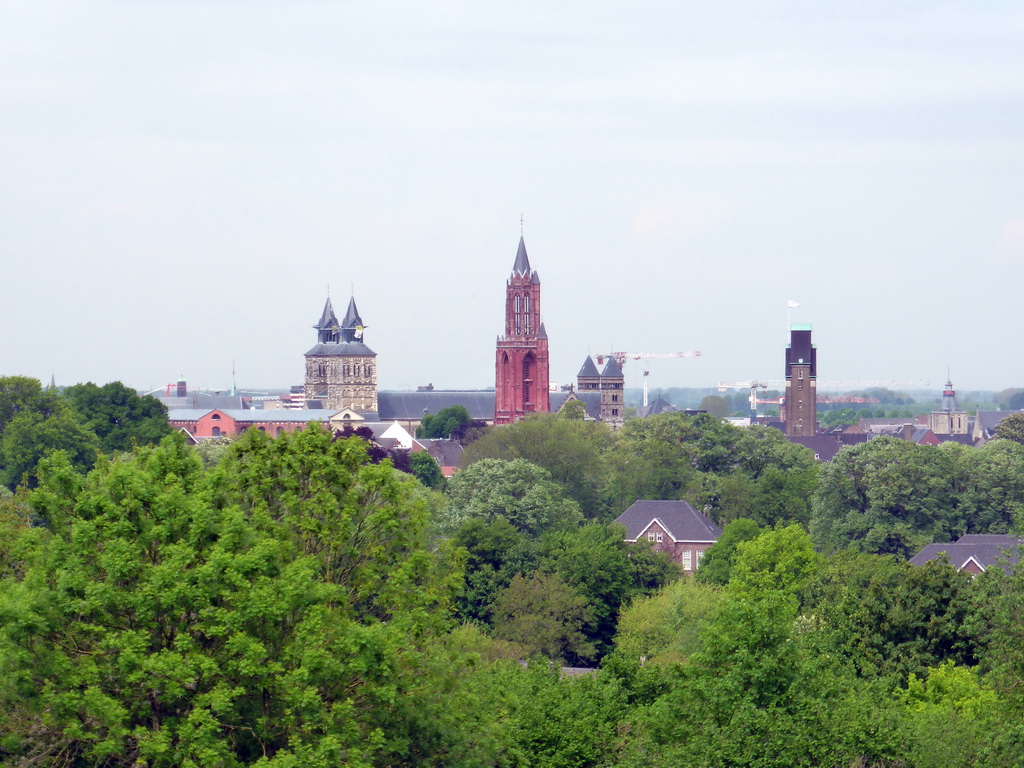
(327, 327)
(352, 326)
(522, 264)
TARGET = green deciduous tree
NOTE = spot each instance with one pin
(573, 452)
(21, 393)
(424, 468)
(496, 552)
(1012, 428)
(667, 626)
(34, 422)
(595, 561)
(31, 435)
(887, 618)
(118, 415)
(886, 496)
(729, 472)
(757, 692)
(270, 613)
(518, 491)
(716, 567)
(951, 719)
(543, 615)
(444, 423)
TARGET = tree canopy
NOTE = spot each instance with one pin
(444, 423)
(267, 612)
(118, 415)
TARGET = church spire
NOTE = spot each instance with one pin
(352, 326)
(522, 265)
(327, 327)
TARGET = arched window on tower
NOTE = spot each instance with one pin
(526, 314)
(518, 316)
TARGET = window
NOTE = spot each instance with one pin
(660, 536)
(650, 535)
(216, 432)
(615, 398)
(800, 373)
(687, 561)
(700, 556)
(216, 417)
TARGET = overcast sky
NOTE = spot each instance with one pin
(180, 182)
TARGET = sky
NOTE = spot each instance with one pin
(182, 183)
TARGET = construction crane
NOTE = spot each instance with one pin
(753, 386)
(821, 386)
(622, 357)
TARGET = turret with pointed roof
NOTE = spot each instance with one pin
(521, 367)
(949, 419)
(341, 371)
(328, 330)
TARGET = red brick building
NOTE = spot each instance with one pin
(521, 364)
(228, 422)
(671, 526)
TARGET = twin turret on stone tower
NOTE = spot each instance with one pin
(341, 371)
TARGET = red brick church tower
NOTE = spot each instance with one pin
(521, 367)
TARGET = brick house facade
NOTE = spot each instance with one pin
(674, 527)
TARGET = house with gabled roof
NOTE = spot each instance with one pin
(974, 552)
(674, 527)
(985, 423)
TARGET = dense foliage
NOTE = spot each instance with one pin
(298, 601)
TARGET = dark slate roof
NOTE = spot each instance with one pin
(986, 549)
(202, 400)
(825, 447)
(448, 453)
(327, 319)
(409, 406)
(543, 332)
(990, 420)
(612, 369)
(855, 439)
(588, 369)
(678, 518)
(591, 402)
(341, 349)
(352, 318)
(920, 433)
(522, 265)
(659, 406)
